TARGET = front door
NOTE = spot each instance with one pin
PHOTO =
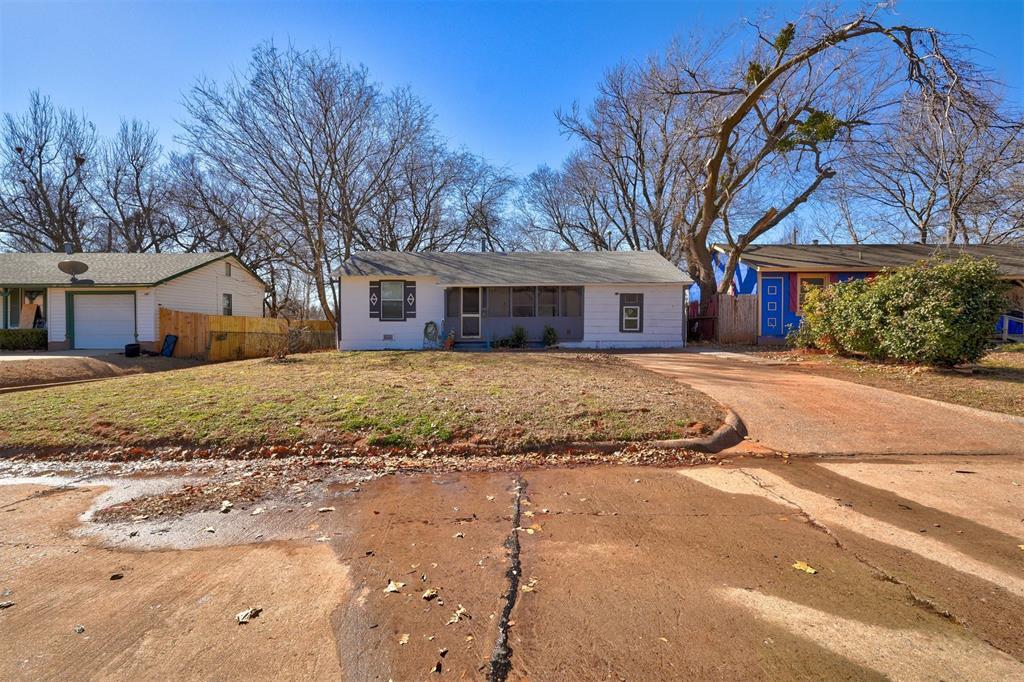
(771, 306)
(471, 312)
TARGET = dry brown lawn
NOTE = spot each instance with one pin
(399, 399)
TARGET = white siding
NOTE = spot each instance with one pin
(359, 331)
(56, 314)
(201, 290)
(662, 321)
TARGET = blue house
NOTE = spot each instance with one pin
(780, 275)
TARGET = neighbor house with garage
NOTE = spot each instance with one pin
(604, 299)
(117, 299)
(781, 274)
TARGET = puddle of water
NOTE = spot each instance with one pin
(295, 518)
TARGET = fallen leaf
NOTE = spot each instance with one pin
(459, 535)
(117, 576)
(244, 617)
(6, 605)
(257, 511)
(459, 614)
(527, 513)
(209, 529)
(436, 668)
(323, 538)
(225, 506)
(325, 509)
(663, 639)
(393, 586)
(404, 639)
(429, 594)
(803, 566)
(490, 498)
(442, 652)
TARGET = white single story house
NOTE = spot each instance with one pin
(117, 300)
(603, 299)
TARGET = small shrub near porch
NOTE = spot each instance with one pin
(22, 339)
(936, 312)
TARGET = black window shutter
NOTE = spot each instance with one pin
(375, 299)
(410, 299)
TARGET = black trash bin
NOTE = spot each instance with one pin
(132, 350)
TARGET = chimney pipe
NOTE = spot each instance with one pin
(68, 248)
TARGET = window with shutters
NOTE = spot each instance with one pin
(392, 300)
(631, 312)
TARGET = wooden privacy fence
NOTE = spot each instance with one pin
(727, 319)
(230, 337)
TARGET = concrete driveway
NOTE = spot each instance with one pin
(799, 413)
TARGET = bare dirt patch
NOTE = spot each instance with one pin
(55, 370)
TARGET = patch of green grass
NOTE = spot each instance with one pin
(398, 399)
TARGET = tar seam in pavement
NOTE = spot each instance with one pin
(501, 662)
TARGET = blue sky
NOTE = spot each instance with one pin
(493, 72)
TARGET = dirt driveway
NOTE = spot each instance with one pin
(557, 574)
(796, 412)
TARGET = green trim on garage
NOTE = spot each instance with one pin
(69, 311)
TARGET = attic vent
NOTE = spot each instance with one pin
(389, 337)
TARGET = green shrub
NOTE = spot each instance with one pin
(518, 339)
(936, 312)
(23, 339)
(550, 336)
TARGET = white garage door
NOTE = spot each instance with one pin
(104, 321)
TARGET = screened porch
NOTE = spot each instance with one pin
(487, 314)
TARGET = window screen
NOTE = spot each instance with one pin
(454, 302)
(522, 302)
(572, 301)
(496, 304)
(547, 301)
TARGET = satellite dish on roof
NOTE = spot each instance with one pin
(72, 267)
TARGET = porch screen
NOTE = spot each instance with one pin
(547, 301)
(522, 302)
(496, 302)
(572, 301)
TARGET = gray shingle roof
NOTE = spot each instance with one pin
(105, 269)
(871, 257)
(522, 267)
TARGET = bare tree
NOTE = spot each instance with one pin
(281, 132)
(130, 192)
(711, 143)
(947, 171)
(45, 160)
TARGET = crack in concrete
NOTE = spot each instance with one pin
(918, 600)
(501, 658)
